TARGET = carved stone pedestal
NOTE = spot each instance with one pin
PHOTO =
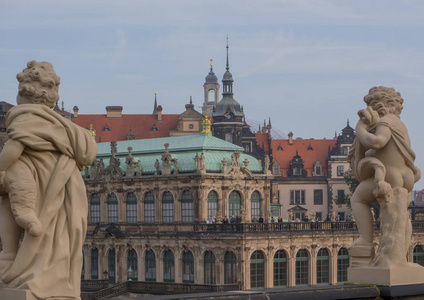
(15, 294)
(409, 273)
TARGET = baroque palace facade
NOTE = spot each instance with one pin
(149, 200)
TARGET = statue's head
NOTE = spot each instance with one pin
(39, 84)
(384, 100)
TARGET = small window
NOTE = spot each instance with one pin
(297, 197)
(318, 197)
(340, 170)
(190, 126)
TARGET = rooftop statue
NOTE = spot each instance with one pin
(42, 191)
(383, 161)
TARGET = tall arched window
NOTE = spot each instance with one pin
(111, 266)
(95, 208)
(302, 268)
(230, 268)
(280, 269)
(418, 257)
(235, 204)
(167, 208)
(95, 264)
(168, 266)
(209, 268)
(112, 209)
(149, 208)
(187, 208)
(212, 204)
(323, 267)
(188, 267)
(132, 262)
(257, 270)
(131, 208)
(150, 265)
(256, 205)
(342, 265)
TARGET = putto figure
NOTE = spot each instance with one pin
(43, 191)
(383, 161)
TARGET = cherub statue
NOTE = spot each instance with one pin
(383, 161)
(42, 190)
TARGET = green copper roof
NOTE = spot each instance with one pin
(183, 148)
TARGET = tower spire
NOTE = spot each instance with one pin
(228, 65)
(155, 107)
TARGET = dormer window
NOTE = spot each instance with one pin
(317, 169)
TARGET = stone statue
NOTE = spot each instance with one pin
(42, 191)
(291, 215)
(312, 216)
(333, 216)
(383, 161)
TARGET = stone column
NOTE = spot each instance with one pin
(333, 265)
(158, 206)
(141, 263)
(178, 266)
(313, 265)
(140, 207)
(269, 263)
(199, 268)
(291, 267)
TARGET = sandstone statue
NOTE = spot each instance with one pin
(383, 161)
(42, 191)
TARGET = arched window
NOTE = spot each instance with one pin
(280, 269)
(256, 205)
(212, 204)
(83, 267)
(257, 270)
(342, 265)
(418, 257)
(112, 209)
(132, 262)
(230, 270)
(275, 169)
(131, 208)
(323, 267)
(150, 265)
(167, 208)
(235, 204)
(188, 267)
(168, 266)
(302, 268)
(111, 266)
(209, 268)
(187, 208)
(95, 208)
(149, 208)
(95, 264)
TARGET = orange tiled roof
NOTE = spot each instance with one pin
(262, 141)
(318, 150)
(141, 126)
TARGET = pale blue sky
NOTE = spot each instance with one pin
(305, 64)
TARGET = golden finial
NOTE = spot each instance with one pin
(211, 62)
(156, 93)
(93, 132)
(206, 124)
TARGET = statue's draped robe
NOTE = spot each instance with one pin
(400, 137)
(56, 150)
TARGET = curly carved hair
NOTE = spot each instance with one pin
(40, 83)
(384, 100)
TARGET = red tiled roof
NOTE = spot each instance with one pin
(318, 151)
(262, 141)
(141, 126)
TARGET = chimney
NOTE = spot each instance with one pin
(160, 113)
(76, 111)
(114, 112)
(290, 138)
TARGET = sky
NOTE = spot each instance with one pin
(305, 64)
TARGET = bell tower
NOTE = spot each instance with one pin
(211, 87)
